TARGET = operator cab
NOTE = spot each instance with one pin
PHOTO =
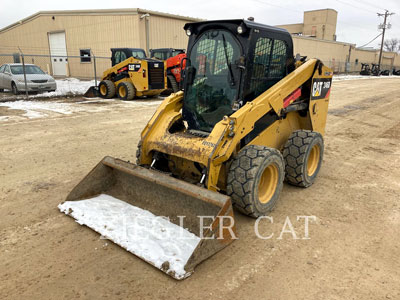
(120, 54)
(230, 62)
(165, 53)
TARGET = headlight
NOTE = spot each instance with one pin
(51, 79)
(188, 32)
(22, 80)
(240, 29)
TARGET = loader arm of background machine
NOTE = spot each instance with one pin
(227, 134)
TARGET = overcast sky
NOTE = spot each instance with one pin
(357, 19)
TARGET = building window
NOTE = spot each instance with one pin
(314, 31)
(85, 56)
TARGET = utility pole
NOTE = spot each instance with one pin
(384, 26)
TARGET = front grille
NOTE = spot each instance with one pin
(39, 81)
(156, 75)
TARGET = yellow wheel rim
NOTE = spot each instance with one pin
(122, 91)
(268, 183)
(313, 160)
(103, 90)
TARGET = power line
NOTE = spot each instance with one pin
(368, 3)
(371, 40)
(354, 6)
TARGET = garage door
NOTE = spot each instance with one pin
(58, 52)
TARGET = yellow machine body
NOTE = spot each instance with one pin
(214, 151)
(141, 75)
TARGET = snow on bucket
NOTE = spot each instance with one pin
(171, 224)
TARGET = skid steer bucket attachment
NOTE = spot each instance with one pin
(129, 204)
(92, 92)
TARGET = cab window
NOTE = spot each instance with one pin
(269, 65)
(117, 57)
(176, 52)
(278, 60)
(123, 56)
(138, 54)
(216, 80)
(160, 55)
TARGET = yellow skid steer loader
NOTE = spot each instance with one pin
(131, 75)
(250, 117)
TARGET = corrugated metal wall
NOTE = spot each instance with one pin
(167, 33)
(324, 50)
(96, 32)
(30, 37)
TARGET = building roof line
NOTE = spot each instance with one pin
(289, 24)
(321, 40)
(119, 11)
(321, 9)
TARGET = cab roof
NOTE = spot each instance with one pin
(163, 49)
(124, 48)
(248, 24)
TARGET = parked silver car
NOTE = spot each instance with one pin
(12, 78)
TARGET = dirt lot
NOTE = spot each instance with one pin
(354, 246)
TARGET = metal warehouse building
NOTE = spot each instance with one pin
(90, 32)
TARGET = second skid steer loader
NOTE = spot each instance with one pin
(131, 75)
(249, 117)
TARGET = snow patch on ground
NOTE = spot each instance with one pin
(65, 87)
(150, 237)
(39, 109)
(68, 86)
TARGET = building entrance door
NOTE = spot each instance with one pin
(58, 52)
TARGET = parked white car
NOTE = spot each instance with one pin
(12, 78)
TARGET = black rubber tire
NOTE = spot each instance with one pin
(14, 89)
(106, 89)
(244, 178)
(1, 90)
(172, 83)
(296, 153)
(129, 91)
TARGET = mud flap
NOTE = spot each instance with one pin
(205, 214)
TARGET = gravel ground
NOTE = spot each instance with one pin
(352, 253)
